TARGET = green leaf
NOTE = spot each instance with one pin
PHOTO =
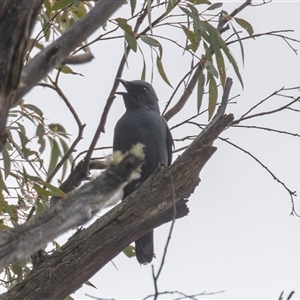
(59, 129)
(196, 2)
(39, 207)
(40, 132)
(241, 44)
(22, 263)
(3, 227)
(67, 70)
(133, 6)
(200, 92)
(59, 4)
(129, 251)
(129, 34)
(22, 128)
(213, 96)
(90, 284)
(6, 162)
(170, 5)
(143, 76)
(211, 68)
(186, 11)
(17, 270)
(53, 191)
(162, 71)
(150, 41)
(69, 298)
(34, 108)
(11, 210)
(231, 59)
(55, 154)
(40, 190)
(246, 25)
(191, 37)
(214, 38)
(196, 25)
(131, 41)
(3, 186)
(215, 6)
(24, 140)
(65, 148)
(149, 3)
(42, 143)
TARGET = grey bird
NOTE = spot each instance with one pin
(142, 123)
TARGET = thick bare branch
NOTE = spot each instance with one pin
(73, 210)
(148, 207)
(78, 59)
(58, 51)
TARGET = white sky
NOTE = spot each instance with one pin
(239, 237)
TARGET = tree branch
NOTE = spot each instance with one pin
(150, 206)
(58, 51)
(13, 45)
(73, 210)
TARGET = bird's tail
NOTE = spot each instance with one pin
(144, 248)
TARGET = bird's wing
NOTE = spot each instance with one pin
(126, 134)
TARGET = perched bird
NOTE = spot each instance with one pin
(142, 123)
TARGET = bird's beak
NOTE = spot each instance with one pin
(126, 84)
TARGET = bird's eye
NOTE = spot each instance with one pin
(145, 89)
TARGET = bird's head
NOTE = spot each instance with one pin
(139, 93)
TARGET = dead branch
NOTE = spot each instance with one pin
(73, 210)
(150, 206)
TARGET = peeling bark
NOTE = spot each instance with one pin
(148, 207)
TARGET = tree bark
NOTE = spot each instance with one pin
(17, 18)
(151, 205)
(73, 210)
(59, 50)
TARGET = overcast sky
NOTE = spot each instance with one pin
(239, 237)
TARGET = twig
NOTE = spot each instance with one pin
(93, 297)
(155, 277)
(177, 87)
(185, 296)
(81, 126)
(187, 93)
(291, 193)
(265, 112)
(267, 129)
(85, 151)
(289, 296)
(270, 33)
(261, 102)
(74, 144)
(239, 9)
